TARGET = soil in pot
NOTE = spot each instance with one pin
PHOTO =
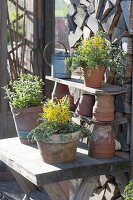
(93, 78)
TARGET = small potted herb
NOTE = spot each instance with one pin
(25, 98)
(128, 191)
(94, 55)
(57, 136)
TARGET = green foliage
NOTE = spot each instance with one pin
(12, 17)
(95, 52)
(25, 92)
(56, 119)
(61, 8)
(128, 191)
(45, 130)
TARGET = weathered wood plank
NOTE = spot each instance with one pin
(54, 191)
(85, 189)
(78, 83)
(26, 185)
(131, 137)
(31, 166)
(122, 180)
(3, 68)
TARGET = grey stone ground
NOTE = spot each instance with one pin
(10, 190)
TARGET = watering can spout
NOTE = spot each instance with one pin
(59, 68)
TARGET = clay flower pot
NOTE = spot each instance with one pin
(102, 144)
(103, 109)
(94, 77)
(61, 148)
(25, 120)
(85, 105)
(60, 91)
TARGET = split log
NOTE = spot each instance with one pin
(74, 37)
(75, 2)
(71, 23)
(104, 179)
(115, 2)
(119, 29)
(125, 6)
(90, 9)
(92, 23)
(98, 196)
(108, 7)
(72, 10)
(80, 16)
(99, 7)
(85, 2)
(110, 21)
(86, 32)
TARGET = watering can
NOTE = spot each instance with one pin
(59, 68)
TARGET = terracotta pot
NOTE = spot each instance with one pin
(61, 148)
(93, 78)
(85, 105)
(103, 109)
(61, 91)
(25, 120)
(102, 144)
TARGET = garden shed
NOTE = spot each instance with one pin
(23, 36)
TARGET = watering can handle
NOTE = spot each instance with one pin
(44, 51)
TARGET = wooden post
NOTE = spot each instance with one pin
(3, 68)
(49, 34)
(131, 139)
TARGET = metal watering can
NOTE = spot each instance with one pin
(59, 69)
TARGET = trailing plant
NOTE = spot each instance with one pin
(56, 119)
(128, 191)
(25, 92)
(95, 52)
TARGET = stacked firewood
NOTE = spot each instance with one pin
(109, 187)
(115, 18)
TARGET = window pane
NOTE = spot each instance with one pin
(61, 27)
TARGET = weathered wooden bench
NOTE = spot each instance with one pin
(31, 172)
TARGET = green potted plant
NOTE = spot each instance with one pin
(57, 136)
(94, 55)
(128, 191)
(25, 98)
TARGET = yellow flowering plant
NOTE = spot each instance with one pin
(56, 119)
(95, 52)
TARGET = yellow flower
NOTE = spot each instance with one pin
(57, 112)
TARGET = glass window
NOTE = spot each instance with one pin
(61, 26)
